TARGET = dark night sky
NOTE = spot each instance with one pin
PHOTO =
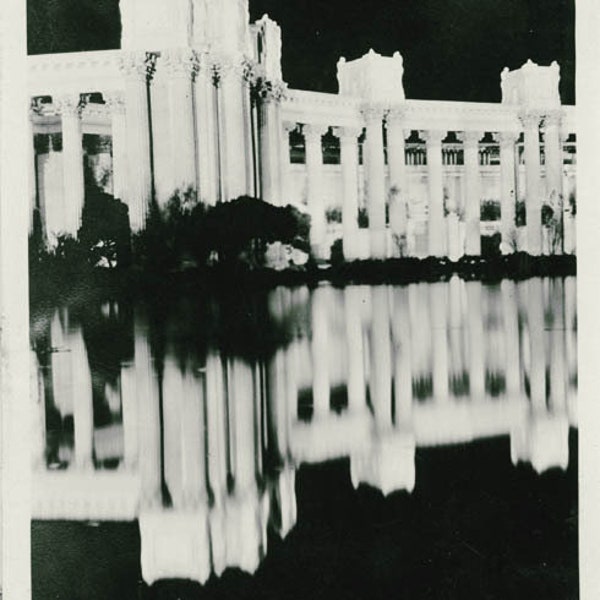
(452, 49)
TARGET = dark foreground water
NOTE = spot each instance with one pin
(367, 442)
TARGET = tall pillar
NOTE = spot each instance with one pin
(138, 68)
(83, 419)
(206, 132)
(270, 126)
(439, 339)
(380, 371)
(320, 351)
(476, 340)
(70, 107)
(182, 65)
(349, 161)
(535, 322)
(285, 161)
(558, 370)
(472, 193)
(511, 337)
(120, 162)
(554, 175)
(314, 174)
(129, 402)
(398, 191)
(354, 341)
(508, 190)
(31, 166)
(533, 195)
(232, 129)
(435, 225)
(401, 334)
(375, 180)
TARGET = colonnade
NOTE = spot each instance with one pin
(388, 184)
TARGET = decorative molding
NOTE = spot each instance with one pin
(530, 119)
(433, 137)
(372, 113)
(395, 116)
(115, 102)
(289, 126)
(508, 138)
(270, 91)
(469, 138)
(347, 134)
(552, 118)
(313, 132)
(139, 66)
(181, 63)
(70, 105)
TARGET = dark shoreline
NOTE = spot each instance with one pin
(48, 283)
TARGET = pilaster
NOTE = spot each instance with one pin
(533, 196)
(473, 192)
(120, 163)
(436, 226)
(508, 190)
(554, 169)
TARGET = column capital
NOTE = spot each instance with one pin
(138, 66)
(35, 106)
(508, 138)
(180, 63)
(433, 136)
(552, 118)
(314, 131)
(469, 138)
(115, 102)
(395, 116)
(270, 91)
(372, 113)
(347, 134)
(231, 67)
(289, 126)
(69, 105)
(530, 119)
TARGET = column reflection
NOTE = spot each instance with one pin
(205, 448)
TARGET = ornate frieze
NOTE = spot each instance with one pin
(181, 62)
(270, 91)
(70, 105)
(372, 113)
(530, 119)
(396, 115)
(138, 65)
(115, 102)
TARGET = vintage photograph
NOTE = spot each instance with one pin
(302, 299)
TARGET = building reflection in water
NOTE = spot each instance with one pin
(201, 446)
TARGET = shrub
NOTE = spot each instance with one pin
(333, 214)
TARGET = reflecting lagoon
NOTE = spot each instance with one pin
(337, 442)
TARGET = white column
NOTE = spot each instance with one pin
(206, 131)
(120, 161)
(320, 351)
(375, 180)
(472, 193)
(558, 370)
(70, 108)
(148, 416)
(533, 195)
(129, 402)
(508, 190)
(476, 340)
(285, 161)
(314, 174)
(380, 370)
(401, 333)
(354, 341)
(349, 161)
(439, 339)
(83, 417)
(511, 338)
(269, 130)
(535, 321)
(455, 246)
(181, 65)
(138, 68)
(435, 231)
(232, 144)
(398, 191)
(554, 174)
(31, 166)
(242, 405)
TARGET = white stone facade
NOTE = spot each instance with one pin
(195, 99)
